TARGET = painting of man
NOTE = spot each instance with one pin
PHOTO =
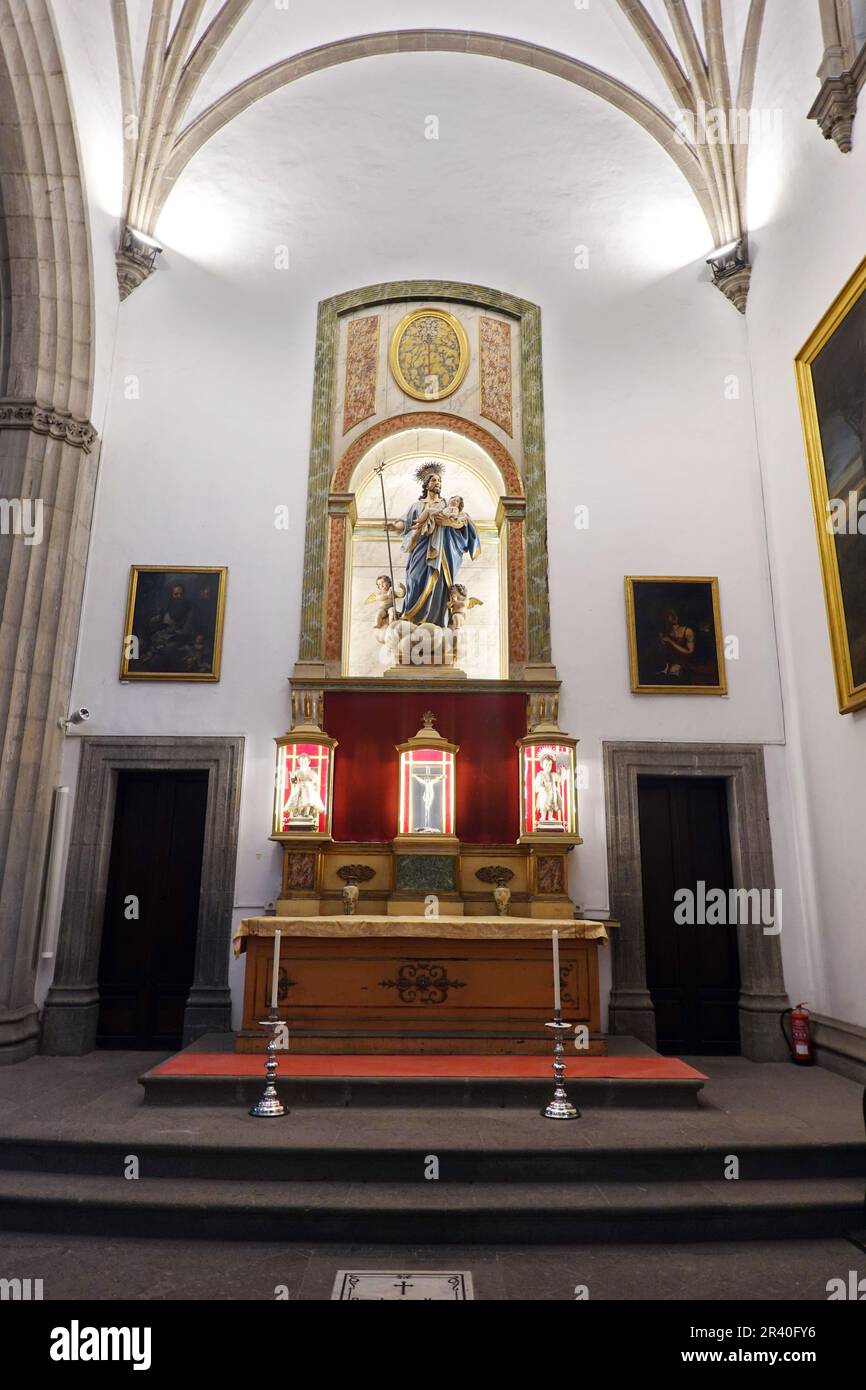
(675, 641)
(173, 628)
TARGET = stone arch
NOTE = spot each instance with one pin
(428, 419)
(340, 511)
(520, 51)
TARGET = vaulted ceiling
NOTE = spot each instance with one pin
(239, 109)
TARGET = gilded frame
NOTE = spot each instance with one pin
(850, 695)
(428, 311)
(637, 688)
(221, 572)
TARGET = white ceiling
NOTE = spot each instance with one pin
(526, 167)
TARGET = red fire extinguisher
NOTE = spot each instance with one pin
(800, 1041)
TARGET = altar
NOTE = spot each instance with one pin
(386, 984)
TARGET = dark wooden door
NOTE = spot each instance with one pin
(151, 911)
(693, 971)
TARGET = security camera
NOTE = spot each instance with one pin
(76, 716)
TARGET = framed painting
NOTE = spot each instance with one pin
(675, 636)
(174, 623)
(831, 380)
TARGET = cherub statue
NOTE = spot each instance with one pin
(386, 597)
(459, 603)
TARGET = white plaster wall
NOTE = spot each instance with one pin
(648, 409)
(808, 207)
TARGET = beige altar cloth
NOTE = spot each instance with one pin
(469, 928)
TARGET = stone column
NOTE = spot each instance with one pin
(47, 475)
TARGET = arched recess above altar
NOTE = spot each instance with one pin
(475, 467)
(487, 432)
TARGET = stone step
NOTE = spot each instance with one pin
(417, 1092)
(429, 1212)
(342, 1160)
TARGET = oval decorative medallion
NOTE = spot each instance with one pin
(429, 354)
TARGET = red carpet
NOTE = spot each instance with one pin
(252, 1064)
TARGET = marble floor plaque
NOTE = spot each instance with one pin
(427, 1286)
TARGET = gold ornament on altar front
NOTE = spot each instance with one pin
(429, 354)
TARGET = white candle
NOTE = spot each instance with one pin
(275, 975)
(556, 999)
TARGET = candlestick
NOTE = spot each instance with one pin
(557, 1002)
(270, 1106)
(275, 974)
(560, 1107)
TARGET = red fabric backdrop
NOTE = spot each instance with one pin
(368, 726)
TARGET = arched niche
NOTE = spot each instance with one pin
(484, 478)
(331, 503)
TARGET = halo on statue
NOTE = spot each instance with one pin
(556, 756)
(428, 470)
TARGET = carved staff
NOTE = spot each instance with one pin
(380, 470)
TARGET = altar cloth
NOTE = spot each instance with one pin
(435, 928)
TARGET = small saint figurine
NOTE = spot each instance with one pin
(305, 802)
(547, 788)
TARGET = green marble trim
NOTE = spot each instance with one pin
(322, 462)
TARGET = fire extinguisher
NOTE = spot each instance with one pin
(800, 1041)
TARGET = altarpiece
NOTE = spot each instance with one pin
(425, 794)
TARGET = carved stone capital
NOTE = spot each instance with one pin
(732, 273)
(44, 419)
(834, 109)
(135, 260)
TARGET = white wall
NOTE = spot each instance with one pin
(808, 207)
(644, 421)
(208, 422)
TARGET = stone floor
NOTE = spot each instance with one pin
(97, 1096)
(90, 1267)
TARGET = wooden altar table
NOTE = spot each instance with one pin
(393, 984)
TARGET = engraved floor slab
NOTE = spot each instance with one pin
(425, 1286)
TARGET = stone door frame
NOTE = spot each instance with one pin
(762, 986)
(72, 1006)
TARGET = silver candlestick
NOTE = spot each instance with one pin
(560, 1108)
(270, 1104)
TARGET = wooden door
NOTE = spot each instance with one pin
(151, 911)
(693, 971)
